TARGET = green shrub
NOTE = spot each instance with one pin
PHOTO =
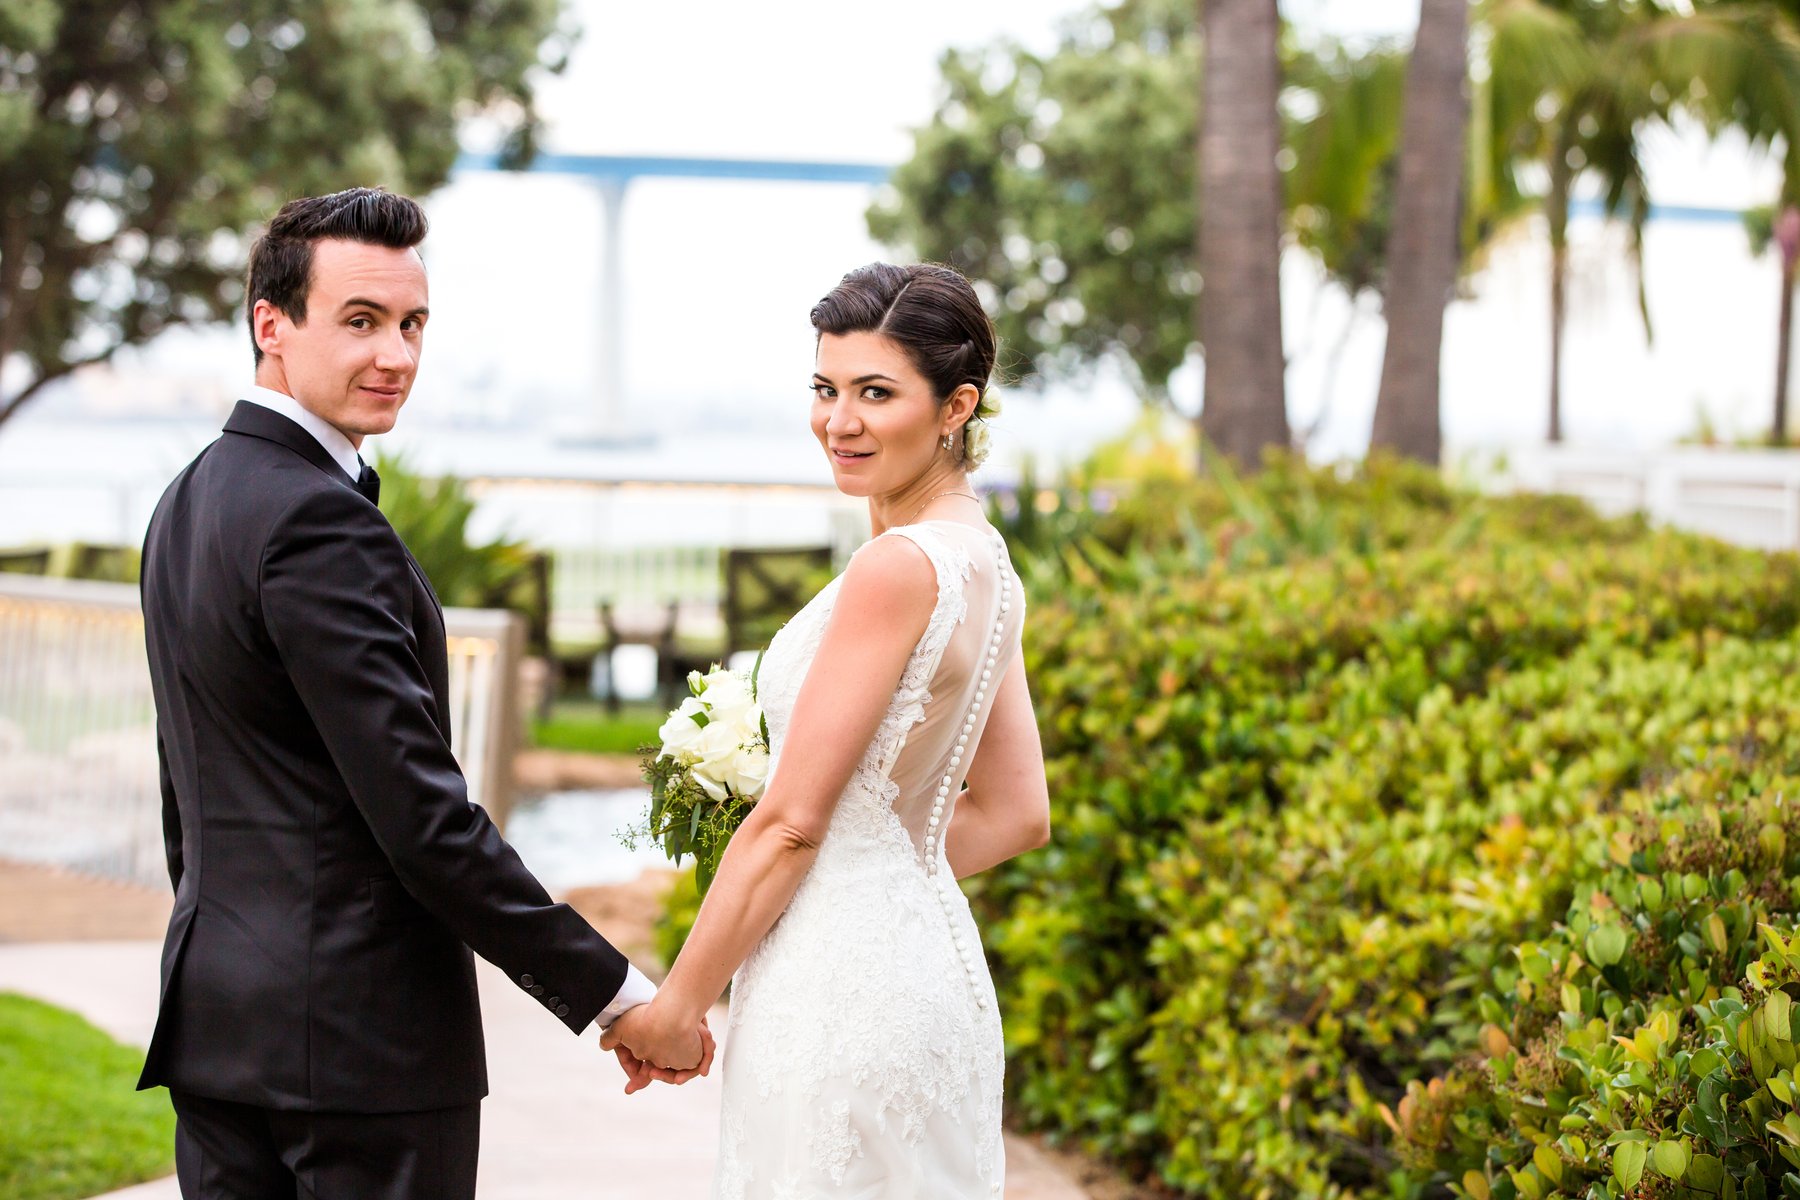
(1304, 796)
(1646, 1045)
(681, 904)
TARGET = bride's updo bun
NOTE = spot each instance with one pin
(932, 313)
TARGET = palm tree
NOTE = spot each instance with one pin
(1239, 198)
(1424, 249)
(1576, 84)
(1751, 81)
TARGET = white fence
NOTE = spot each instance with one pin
(78, 775)
(1751, 497)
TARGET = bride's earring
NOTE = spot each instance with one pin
(947, 441)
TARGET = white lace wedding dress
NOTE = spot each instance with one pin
(863, 1057)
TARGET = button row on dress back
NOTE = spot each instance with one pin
(932, 839)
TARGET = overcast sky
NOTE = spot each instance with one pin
(719, 276)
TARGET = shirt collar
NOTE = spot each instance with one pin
(323, 431)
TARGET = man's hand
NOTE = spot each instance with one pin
(653, 1044)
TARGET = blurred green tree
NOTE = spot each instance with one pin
(141, 139)
(1575, 86)
(1064, 184)
(1753, 89)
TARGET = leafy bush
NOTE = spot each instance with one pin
(1644, 1047)
(1307, 791)
(431, 515)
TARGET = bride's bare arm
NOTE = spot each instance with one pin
(1006, 809)
(883, 605)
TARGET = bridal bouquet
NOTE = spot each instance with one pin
(711, 767)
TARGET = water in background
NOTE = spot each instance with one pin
(571, 839)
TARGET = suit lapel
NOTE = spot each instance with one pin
(253, 420)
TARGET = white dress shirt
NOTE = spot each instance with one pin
(323, 431)
(636, 989)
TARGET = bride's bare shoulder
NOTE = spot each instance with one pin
(890, 580)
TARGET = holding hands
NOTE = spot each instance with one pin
(655, 1043)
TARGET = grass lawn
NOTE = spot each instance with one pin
(586, 726)
(72, 1125)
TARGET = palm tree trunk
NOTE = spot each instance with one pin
(1240, 203)
(1424, 248)
(1556, 209)
(1787, 239)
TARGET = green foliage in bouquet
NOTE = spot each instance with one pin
(1307, 794)
(1646, 1045)
(685, 821)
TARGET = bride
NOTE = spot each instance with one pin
(864, 1055)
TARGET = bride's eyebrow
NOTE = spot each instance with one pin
(860, 379)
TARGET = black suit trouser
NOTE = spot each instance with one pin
(227, 1151)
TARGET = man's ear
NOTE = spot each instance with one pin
(268, 323)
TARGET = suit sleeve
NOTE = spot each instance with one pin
(171, 815)
(336, 600)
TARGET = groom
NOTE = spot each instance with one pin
(319, 1030)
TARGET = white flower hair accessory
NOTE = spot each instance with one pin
(977, 437)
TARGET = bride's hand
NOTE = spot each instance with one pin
(655, 1034)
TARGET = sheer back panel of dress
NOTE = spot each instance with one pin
(974, 643)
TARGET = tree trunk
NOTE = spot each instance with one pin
(1240, 205)
(1787, 242)
(1424, 248)
(1556, 210)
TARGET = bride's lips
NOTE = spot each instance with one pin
(848, 457)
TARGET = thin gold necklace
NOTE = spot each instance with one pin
(940, 496)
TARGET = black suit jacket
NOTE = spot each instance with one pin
(330, 873)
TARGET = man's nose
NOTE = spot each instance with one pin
(394, 353)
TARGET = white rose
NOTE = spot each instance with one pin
(681, 732)
(976, 441)
(727, 690)
(750, 771)
(717, 746)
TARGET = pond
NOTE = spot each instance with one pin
(571, 839)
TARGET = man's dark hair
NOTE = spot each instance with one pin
(282, 258)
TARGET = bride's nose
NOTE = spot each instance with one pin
(842, 422)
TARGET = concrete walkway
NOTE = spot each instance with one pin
(556, 1126)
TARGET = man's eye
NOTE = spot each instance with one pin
(359, 322)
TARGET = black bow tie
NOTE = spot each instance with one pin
(369, 484)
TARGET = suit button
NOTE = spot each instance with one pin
(562, 1010)
(553, 1001)
(526, 980)
(538, 990)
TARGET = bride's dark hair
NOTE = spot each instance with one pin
(929, 310)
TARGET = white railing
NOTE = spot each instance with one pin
(1751, 497)
(78, 775)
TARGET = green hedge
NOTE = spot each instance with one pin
(1646, 1046)
(1320, 749)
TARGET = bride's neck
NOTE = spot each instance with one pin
(917, 500)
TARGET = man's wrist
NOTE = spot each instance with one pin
(635, 991)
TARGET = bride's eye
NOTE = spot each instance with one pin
(822, 391)
(876, 393)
